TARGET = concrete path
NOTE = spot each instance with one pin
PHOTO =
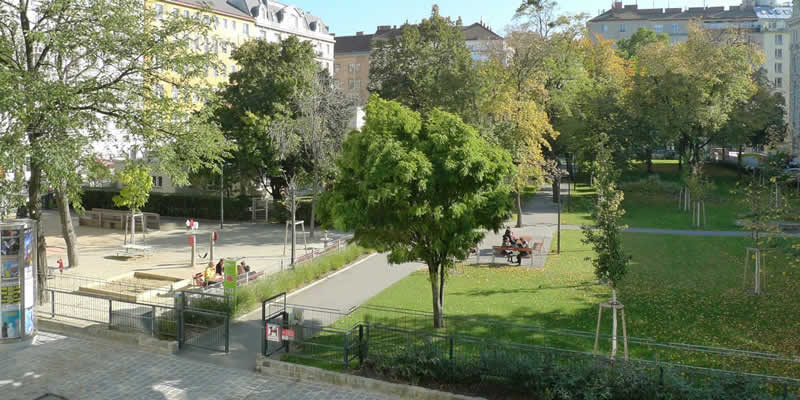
(93, 370)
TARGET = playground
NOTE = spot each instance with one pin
(261, 245)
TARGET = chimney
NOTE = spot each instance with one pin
(361, 33)
(617, 5)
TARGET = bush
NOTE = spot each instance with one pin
(557, 377)
(198, 206)
(651, 185)
(248, 297)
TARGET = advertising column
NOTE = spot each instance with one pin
(17, 280)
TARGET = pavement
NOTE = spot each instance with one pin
(91, 370)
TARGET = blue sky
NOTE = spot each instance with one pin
(346, 17)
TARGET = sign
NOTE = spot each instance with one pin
(287, 334)
(11, 294)
(230, 279)
(274, 333)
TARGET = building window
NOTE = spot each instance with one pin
(295, 22)
(158, 181)
(778, 53)
(778, 39)
(354, 68)
(674, 28)
(778, 68)
(159, 11)
(604, 28)
(773, 25)
(337, 83)
(233, 68)
(186, 13)
(658, 28)
(174, 12)
(225, 23)
(233, 25)
(778, 82)
(337, 67)
(246, 29)
(622, 27)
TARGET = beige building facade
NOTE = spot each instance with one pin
(766, 21)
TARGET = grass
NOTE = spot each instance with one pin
(659, 209)
(679, 289)
(250, 297)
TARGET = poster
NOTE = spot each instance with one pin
(9, 269)
(29, 289)
(9, 243)
(10, 294)
(28, 248)
(28, 321)
(231, 278)
(10, 327)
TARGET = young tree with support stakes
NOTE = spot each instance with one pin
(610, 261)
(421, 188)
(134, 194)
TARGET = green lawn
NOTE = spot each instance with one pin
(679, 289)
(653, 209)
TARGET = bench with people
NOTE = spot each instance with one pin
(214, 274)
(516, 247)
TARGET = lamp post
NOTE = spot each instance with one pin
(558, 246)
(221, 196)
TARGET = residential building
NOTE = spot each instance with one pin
(794, 79)
(351, 68)
(766, 22)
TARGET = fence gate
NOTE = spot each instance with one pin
(274, 319)
(202, 328)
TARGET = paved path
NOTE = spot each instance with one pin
(89, 370)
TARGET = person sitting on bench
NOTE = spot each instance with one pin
(507, 234)
(220, 266)
(507, 249)
(522, 244)
(211, 274)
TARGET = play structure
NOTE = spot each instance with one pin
(131, 248)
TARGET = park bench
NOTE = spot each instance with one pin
(499, 251)
(135, 250)
(245, 278)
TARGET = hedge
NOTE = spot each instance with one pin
(197, 206)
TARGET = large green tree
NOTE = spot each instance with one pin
(629, 47)
(420, 187)
(690, 90)
(271, 77)
(74, 72)
(426, 66)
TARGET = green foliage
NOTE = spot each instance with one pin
(610, 261)
(627, 48)
(764, 207)
(138, 183)
(759, 119)
(427, 66)
(248, 297)
(652, 184)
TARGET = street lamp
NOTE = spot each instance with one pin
(221, 196)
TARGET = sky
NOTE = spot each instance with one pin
(346, 17)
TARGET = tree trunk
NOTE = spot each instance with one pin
(433, 272)
(35, 207)
(314, 191)
(649, 161)
(739, 164)
(519, 208)
(67, 229)
(613, 322)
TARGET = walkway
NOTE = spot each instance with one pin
(92, 370)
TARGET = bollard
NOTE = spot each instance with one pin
(211, 248)
(52, 304)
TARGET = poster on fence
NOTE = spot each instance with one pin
(273, 333)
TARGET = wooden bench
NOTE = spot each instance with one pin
(245, 278)
(135, 250)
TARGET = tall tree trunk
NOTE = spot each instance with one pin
(649, 161)
(67, 230)
(35, 212)
(433, 272)
(314, 191)
(739, 164)
(519, 208)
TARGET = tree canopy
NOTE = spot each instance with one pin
(629, 47)
(419, 187)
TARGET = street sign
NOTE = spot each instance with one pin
(274, 333)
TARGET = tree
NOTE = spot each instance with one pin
(325, 112)
(138, 184)
(76, 68)
(420, 187)
(425, 67)
(610, 261)
(628, 48)
(271, 77)
(690, 89)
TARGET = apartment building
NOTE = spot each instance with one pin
(351, 67)
(766, 22)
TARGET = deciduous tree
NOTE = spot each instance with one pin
(420, 187)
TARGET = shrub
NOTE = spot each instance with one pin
(651, 185)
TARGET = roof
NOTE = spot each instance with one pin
(363, 43)
(222, 6)
(352, 44)
(249, 9)
(632, 13)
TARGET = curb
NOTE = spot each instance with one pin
(101, 331)
(270, 367)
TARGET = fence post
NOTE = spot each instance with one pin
(154, 327)
(227, 334)
(110, 312)
(346, 363)
(52, 304)
(360, 345)
(451, 347)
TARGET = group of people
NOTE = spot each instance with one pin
(511, 242)
(215, 273)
